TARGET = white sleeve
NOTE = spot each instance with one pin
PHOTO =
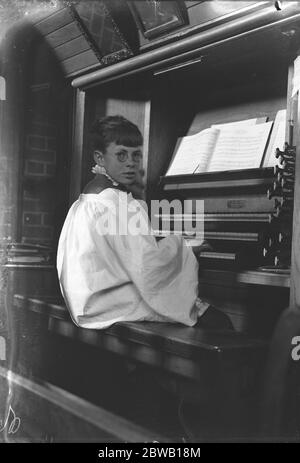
(165, 273)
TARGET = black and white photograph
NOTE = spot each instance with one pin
(149, 224)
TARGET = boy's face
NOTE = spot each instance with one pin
(121, 162)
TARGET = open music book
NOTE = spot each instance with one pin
(236, 145)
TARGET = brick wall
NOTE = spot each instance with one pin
(39, 167)
(37, 217)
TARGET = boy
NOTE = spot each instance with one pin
(110, 270)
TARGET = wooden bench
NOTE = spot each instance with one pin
(222, 369)
(32, 411)
(184, 351)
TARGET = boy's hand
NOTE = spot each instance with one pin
(204, 246)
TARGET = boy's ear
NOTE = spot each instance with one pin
(98, 158)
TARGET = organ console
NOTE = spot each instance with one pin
(243, 228)
(236, 225)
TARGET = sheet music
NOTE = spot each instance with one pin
(240, 147)
(277, 139)
(296, 78)
(193, 152)
(239, 124)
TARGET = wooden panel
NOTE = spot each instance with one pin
(165, 120)
(132, 110)
(64, 34)
(81, 62)
(77, 141)
(220, 113)
(71, 48)
(205, 12)
(54, 22)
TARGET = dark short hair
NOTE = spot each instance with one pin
(114, 129)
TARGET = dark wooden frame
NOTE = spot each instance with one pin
(159, 29)
(112, 57)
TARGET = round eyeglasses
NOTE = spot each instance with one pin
(135, 156)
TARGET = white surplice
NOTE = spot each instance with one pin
(111, 277)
